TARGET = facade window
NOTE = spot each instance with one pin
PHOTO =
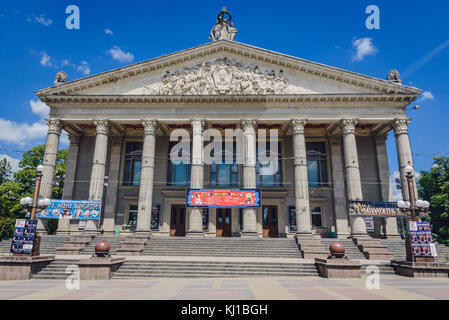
(133, 163)
(132, 215)
(316, 213)
(241, 219)
(155, 216)
(274, 178)
(178, 174)
(224, 174)
(316, 164)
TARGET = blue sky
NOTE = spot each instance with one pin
(413, 38)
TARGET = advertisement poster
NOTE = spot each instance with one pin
(422, 240)
(24, 233)
(223, 198)
(72, 210)
(369, 222)
(378, 209)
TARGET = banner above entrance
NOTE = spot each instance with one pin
(223, 198)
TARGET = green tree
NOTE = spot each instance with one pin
(434, 187)
(23, 185)
(10, 209)
(5, 170)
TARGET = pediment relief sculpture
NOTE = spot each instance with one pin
(222, 77)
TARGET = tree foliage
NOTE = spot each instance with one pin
(5, 170)
(22, 185)
(434, 187)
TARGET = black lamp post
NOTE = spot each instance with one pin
(34, 205)
(415, 208)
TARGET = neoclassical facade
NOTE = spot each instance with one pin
(333, 125)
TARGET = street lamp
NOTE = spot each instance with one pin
(34, 205)
(414, 207)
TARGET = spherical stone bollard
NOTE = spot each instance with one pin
(102, 249)
(337, 250)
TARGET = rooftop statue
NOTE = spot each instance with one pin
(224, 28)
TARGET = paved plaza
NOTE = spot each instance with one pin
(307, 288)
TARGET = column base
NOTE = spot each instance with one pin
(249, 235)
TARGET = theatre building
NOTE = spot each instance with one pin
(332, 129)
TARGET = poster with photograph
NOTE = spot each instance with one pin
(422, 240)
(24, 233)
(369, 222)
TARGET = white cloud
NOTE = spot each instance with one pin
(83, 67)
(21, 133)
(426, 95)
(108, 31)
(13, 161)
(118, 54)
(46, 60)
(40, 108)
(41, 19)
(364, 47)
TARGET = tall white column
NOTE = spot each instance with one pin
(303, 218)
(340, 202)
(391, 226)
(404, 150)
(249, 175)
(353, 181)
(50, 155)
(69, 180)
(110, 205)
(197, 175)
(147, 178)
(98, 167)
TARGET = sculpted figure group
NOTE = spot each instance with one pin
(223, 77)
(224, 28)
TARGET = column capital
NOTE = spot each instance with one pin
(102, 126)
(298, 126)
(248, 124)
(381, 139)
(348, 126)
(400, 126)
(150, 126)
(54, 126)
(198, 125)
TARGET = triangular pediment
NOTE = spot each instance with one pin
(226, 68)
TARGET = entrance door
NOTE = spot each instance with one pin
(270, 221)
(224, 223)
(178, 221)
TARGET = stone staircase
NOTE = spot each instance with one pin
(212, 269)
(48, 244)
(114, 241)
(352, 251)
(385, 270)
(397, 246)
(55, 270)
(222, 247)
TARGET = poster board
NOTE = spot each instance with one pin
(23, 238)
(421, 240)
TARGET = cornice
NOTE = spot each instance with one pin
(235, 48)
(155, 99)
